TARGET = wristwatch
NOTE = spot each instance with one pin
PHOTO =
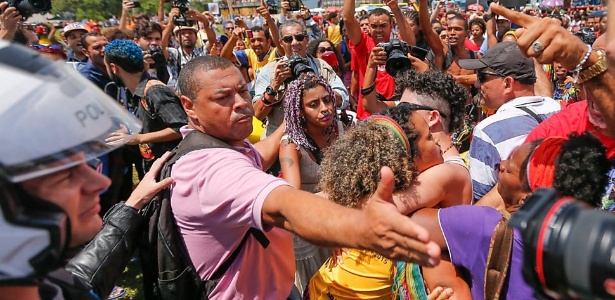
(596, 69)
(270, 91)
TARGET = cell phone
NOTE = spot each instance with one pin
(248, 34)
(206, 8)
(136, 4)
(419, 52)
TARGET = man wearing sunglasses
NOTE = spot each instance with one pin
(272, 79)
(506, 78)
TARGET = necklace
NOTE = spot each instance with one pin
(449, 148)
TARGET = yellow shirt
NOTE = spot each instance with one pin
(255, 63)
(363, 275)
(334, 34)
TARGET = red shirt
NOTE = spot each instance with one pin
(385, 84)
(573, 118)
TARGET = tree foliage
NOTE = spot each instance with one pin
(99, 10)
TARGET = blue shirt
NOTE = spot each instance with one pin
(98, 77)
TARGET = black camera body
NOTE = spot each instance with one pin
(397, 56)
(294, 5)
(567, 246)
(272, 6)
(298, 65)
(27, 8)
(157, 56)
(586, 34)
(183, 6)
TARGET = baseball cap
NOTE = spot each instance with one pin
(72, 27)
(179, 28)
(506, 59)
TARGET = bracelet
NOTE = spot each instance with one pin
(594, 70)
(367, 91)
(577, 69)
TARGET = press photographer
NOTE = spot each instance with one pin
(272, 79)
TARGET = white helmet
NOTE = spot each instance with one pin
(48, 113)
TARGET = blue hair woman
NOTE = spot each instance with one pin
(311, 126)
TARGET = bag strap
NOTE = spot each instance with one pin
(498, 260)
(531, 113)
(196, 140)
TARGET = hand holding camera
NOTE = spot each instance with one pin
(377, 57)
(282, 73)
(239, 31)
(27, 8)
(9, 17)
(127, 5)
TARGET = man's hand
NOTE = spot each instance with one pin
(264, 12)
(285, 5)
(174, 13)
(419, 65)
(148, 59)
(148, 187)
(282, 72)
(120, 137)
(392, 234)
(194, 15)
(393, 4)
(127, 5)
(9, 17)
(558, 44)
(238, 31)
(377, 57)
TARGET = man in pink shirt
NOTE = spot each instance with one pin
(219, 194)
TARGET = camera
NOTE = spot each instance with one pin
(298, 65)
(272, 6)
(157, 56)
(567, 246)
(294, 5)
(183, 6)
(27, 8)
(397, 56)
(586, 34)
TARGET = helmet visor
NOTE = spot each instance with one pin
(49, 114)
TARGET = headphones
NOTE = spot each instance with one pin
(35, 235)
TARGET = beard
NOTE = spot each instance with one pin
(117, 80)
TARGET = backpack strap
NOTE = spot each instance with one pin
(498, 260)
(531, 113)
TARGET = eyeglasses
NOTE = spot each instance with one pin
(323, 49)
(443, 36)
(413, 106)
(229, 28)
(289, 38)
(482, 75)
(51, 47)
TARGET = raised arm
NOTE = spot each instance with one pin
(353, 29)
(433, 40)
(274, 31)
(160, 12)
(227, 50)
(127, 6)
(405, 32)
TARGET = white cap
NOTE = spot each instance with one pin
(50, 113)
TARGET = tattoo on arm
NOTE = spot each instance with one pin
(286, 160)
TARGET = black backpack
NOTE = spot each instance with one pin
(168, 272)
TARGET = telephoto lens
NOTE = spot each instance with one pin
(569, 248)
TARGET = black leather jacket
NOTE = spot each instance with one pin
(94, 271)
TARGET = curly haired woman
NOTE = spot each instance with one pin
(311, 126)
(351, 169)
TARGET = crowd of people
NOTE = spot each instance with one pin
(387, 147)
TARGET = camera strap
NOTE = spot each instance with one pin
(498, 260)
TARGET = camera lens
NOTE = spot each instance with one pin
(567, 246)
(396, 62)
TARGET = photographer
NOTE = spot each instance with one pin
(271, 81)
(49, 204)
(148, 35)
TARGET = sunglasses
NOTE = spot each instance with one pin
(443, 36)
(413, 106)
(52, 47)
(323, 49)
(289, 38)
(229, 28)
(482, 75)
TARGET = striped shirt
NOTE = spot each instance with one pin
(495, 138)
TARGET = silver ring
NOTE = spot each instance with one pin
(537, 46)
